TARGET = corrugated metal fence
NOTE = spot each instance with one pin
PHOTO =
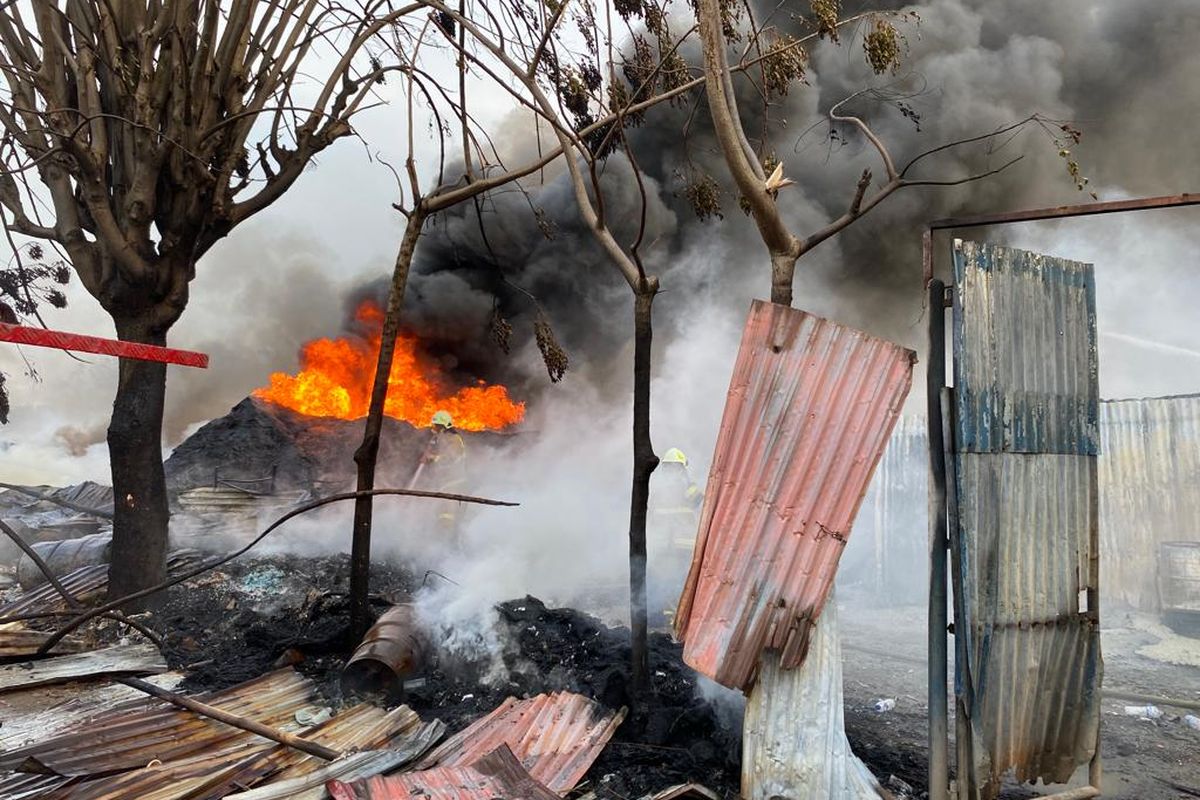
(1025, 548)
(1149, 490)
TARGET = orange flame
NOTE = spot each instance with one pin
(336, 374)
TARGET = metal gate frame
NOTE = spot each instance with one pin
(942, 504)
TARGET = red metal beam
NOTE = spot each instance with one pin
(60, 340)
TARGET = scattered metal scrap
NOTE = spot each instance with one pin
(155, 752)
(555, 736)
(142, 659)
(810, 408)
(496, 775)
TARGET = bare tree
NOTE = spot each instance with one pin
(135, 135)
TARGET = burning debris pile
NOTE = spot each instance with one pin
(300, 431)
(263, 639)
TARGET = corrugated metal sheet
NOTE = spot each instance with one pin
(794, 737)
(496, 776)
(16, 640)
(810, 407)
(556, 737)
(209, 776)
(1149, 474)
(1026, 557)
(888, 556)
(60, 708)
(356, 766)
(85, 584)
(1027, 386)
(131, 737)
(130, 659)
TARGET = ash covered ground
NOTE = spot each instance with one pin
(259, 613)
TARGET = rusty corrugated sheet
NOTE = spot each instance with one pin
(496, 776)
(810, 407)
(1149, 471)
(209, 776)
(1026, 548)
(133, 736)
(556, 737)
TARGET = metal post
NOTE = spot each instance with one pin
(935, 378)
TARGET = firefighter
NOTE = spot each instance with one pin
(674, 516)
(445, 462)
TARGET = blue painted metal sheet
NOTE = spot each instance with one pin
(1024, 352)
(1026, 550)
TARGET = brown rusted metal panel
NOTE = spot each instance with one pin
(810, 408)
(555, 736)
(499, 774)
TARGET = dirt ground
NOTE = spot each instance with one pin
(884, 655)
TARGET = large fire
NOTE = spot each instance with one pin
(336, 374)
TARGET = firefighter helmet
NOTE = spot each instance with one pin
(443, 419)
(675, 456)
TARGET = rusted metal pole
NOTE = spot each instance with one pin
(935, 377)
(1059, 212)
(212, 712)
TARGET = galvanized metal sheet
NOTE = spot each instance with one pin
(810, 407)
(1025, 362)
(794, 735)
(1149, 474)
(130, 737)
(129, 659)
(1026, 551)
(556, 737)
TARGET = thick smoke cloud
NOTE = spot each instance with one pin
(1124, 73)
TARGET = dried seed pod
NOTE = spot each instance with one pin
(552, 353)
(882, 46)
(501, 332)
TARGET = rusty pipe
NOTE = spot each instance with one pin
(393, 649)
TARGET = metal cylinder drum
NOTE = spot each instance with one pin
(1179, 576)
(394, 648)
(64, 556)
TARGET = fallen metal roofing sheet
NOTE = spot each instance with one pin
(130, 659)
(356, 766)
(211, 776)
(84, 584)
(132, 736)
(556, 737)
(59, 708)
(496, 776)
(811, 405)
(1026, 548)
(17, 640)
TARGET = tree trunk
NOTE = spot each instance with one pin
(368, 452)
(644, 464)
(783, 273)
(140, 514)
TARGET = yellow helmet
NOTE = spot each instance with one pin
(443, 418)
(675, 456)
